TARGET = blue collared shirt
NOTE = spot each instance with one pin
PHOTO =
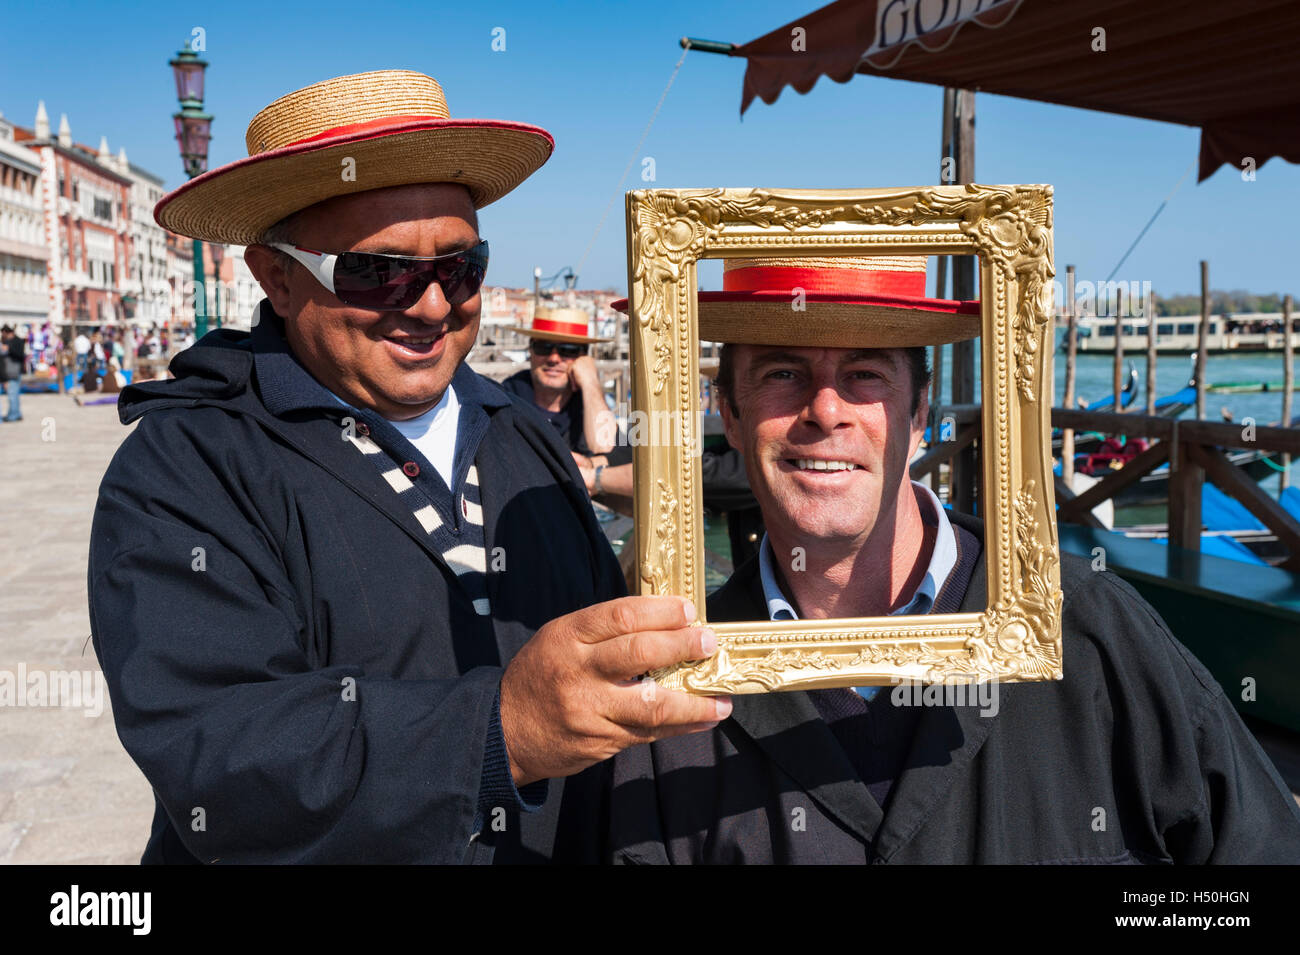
(942, 560)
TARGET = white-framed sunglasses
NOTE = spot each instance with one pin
(393, 282)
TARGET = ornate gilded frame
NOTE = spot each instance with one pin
(1018, 636)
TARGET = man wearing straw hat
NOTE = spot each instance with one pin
(1136, 756)
(336, 578)
(562, 382)
(564, 385)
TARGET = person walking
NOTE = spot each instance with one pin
(12, 348)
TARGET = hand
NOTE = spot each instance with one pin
(587, 468)
(583, 374)
(570, 699)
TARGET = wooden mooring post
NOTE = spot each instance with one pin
(1117, 372)
(965, 467)
(1071, 354)
(1288, 382)
(1149, 309)
(1201, 340)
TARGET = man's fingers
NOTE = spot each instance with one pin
(685, 730)
(616, 618)
(649, 712)
(628, 657)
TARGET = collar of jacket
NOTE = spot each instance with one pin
(287, 386)
(792, 733)
(257, 375)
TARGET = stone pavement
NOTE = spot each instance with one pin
(68, 791)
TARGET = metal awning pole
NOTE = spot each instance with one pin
(708, 46)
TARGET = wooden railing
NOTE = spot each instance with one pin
(1194, 450)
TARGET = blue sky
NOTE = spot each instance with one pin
(591, 73)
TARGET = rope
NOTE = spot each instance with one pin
(1159, 209)
(635, 152)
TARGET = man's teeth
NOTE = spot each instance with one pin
(809, 464)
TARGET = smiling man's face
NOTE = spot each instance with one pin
(826, 434)
(552, 371)
(397, 363)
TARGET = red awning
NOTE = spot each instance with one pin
(1230, 67)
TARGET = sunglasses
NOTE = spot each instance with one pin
(566, 349)
(394, 283)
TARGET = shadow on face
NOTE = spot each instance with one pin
(826, 434)
(396, 363)
(551, 372)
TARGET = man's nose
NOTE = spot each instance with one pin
(432, 306)
(825, 408)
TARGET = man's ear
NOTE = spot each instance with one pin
(272, 273)
(918, 423)
(730, 423)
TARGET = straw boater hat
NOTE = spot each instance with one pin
(846, 302)
(391, 128)
(559, 325)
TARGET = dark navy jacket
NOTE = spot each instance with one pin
(1135, 756)
(292, 666)
(567, 422)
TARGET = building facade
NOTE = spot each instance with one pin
(24, 255)
(240, 291)
(147, 290)
(86, 206)
(180, 278)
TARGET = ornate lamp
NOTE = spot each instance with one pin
(193, 131)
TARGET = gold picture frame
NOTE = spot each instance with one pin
(1009, 228)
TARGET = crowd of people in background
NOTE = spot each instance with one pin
(96, 356)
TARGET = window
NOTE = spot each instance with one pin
(1106, 331)
(1186, 328)
(1166, 329)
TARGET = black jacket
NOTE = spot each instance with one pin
(11, 358)
(1136, 756)
(292, 666)
(567, 422)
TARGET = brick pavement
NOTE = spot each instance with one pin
(68, 791)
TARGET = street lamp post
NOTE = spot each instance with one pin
(193, 130)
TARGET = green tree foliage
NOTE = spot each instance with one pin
(1235, 302)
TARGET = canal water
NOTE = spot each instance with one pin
(1094, 379)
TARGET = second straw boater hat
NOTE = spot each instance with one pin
(833, 302)
(345, 135)
(559, 325)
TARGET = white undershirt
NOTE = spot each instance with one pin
(434, 433)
